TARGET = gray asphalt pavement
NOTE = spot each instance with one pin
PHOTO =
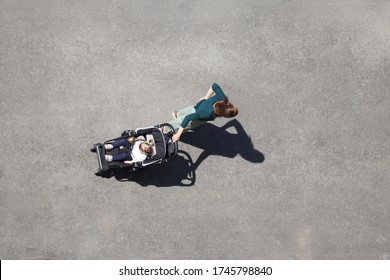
(301, 173)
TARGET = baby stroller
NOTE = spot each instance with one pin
(163, 150)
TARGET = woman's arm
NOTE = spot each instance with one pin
(218, 92)
(177, 135)
(208, 94)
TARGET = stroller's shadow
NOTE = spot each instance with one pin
(181, 170)
(218, 141)
(176, 172)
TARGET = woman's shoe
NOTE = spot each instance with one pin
(174, 114)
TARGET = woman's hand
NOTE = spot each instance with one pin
(177, 135)
(208, 94)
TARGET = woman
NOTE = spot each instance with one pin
(141, 149)
(207, 109)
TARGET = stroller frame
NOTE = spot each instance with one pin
(165, 149)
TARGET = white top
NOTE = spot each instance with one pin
(136, 153)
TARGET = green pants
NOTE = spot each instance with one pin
(181, 115)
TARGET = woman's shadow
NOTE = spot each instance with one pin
(217, 141)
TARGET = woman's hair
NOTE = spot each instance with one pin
(148, 147)
(225, 109)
